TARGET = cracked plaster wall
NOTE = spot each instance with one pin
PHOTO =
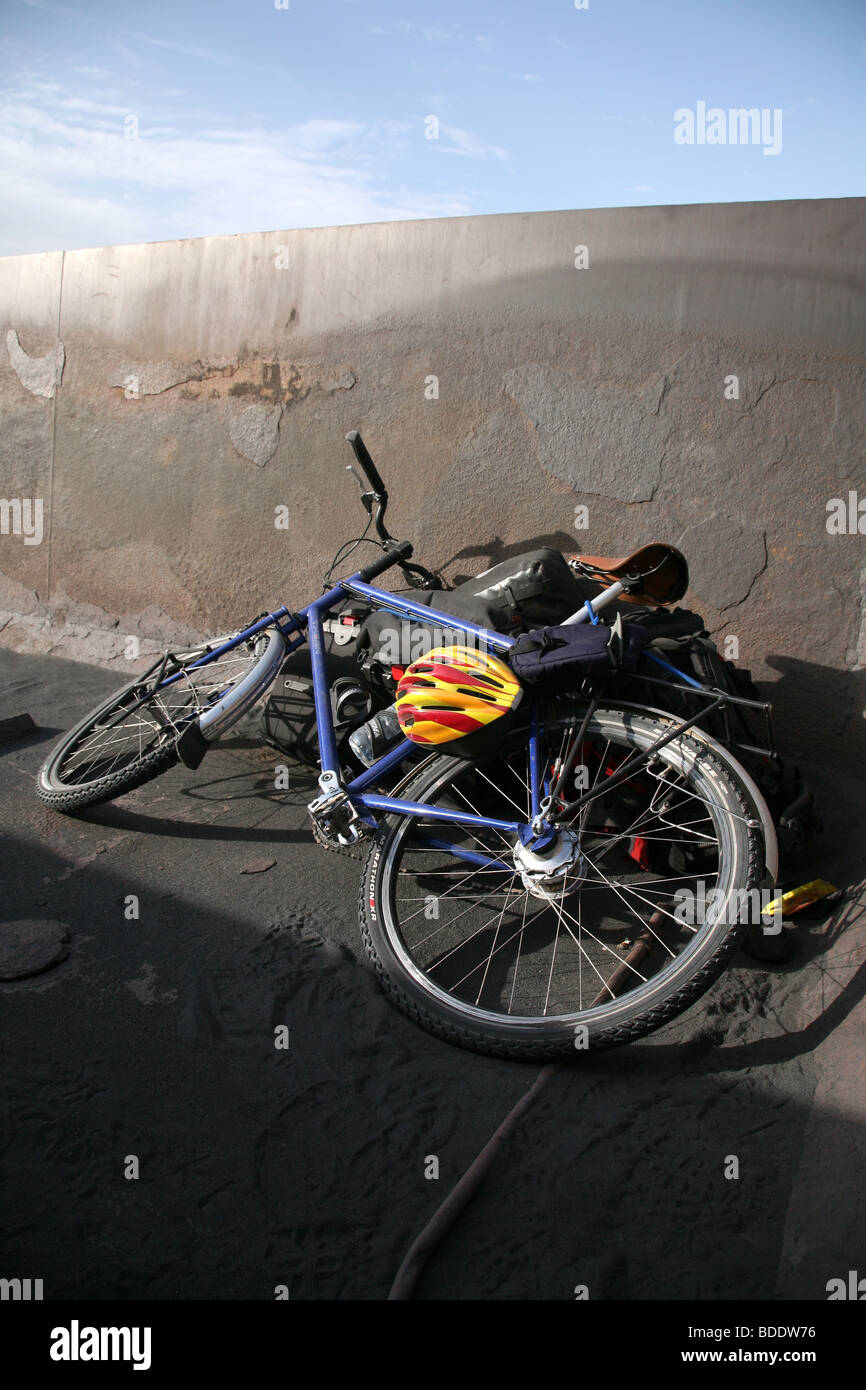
(174, 398)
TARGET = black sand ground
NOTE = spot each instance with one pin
(305, 1167)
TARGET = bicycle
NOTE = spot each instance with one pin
(525, 898)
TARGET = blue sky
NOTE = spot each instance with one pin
(124, 122)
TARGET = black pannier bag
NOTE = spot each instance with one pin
(680, 638)
(288, 716)
(528, 591)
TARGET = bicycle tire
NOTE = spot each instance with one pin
(623, 1020)
(56, 789)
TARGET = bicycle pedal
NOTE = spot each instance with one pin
(335, 819)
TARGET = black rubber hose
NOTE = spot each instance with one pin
(443, 1218)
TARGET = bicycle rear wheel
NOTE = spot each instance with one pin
(132, 737)
(474, 949)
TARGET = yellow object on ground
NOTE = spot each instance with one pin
(796, 898)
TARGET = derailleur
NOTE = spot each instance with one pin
(336, 822)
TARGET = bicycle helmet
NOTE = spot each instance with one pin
(452, 692)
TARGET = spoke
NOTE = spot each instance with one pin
(552, 962)
(583, 951)
(126, 733)
(123, 734)
(490, 957)
(519, 949)
(580, 954)
(714, 805)
(499, 948)
(509, 799)
(636, 829)
(459, 947)
(648, 883)
(476, 901)
(601, 944)
(450, 923)
(649, 903)
(522, 782)
(584, 811)
(459, 897)
(476, 812)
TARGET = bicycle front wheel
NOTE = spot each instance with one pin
(476, 948)
(132, 737)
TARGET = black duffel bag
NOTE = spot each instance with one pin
(530, 590)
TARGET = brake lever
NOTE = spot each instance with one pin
(368, 498)
(425, 579)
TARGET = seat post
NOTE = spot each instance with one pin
(606, 596)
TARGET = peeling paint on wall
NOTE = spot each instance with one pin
(152, 378)
(251, 377)
(595, 438)
(725, 558)
(341, 381)
(40, 375)
(255, 432)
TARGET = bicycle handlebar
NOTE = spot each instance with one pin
(396, 552)
(371, 472)
(394, 556)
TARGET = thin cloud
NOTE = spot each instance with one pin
(188, 50)
(410, 29)
(71, 177)
(49, 8)
(464, 143)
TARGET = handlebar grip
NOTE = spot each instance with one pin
(361, 454)
(401, 551)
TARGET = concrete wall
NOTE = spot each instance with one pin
(205, 383)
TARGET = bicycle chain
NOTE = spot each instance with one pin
(358, 851)
(355, 851)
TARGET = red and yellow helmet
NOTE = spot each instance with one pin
(453, 691)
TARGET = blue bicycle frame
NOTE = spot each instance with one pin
(306, 625)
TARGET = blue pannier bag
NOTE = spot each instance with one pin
(577, 657)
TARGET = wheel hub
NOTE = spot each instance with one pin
(552, 872)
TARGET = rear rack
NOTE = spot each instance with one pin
(762, 707)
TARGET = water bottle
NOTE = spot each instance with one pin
(376, 736)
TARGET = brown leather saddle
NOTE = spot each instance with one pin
(655, 573)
